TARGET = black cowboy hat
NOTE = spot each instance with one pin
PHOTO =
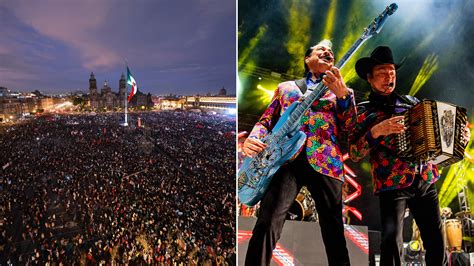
(380, 56)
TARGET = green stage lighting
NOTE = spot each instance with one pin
(430, 65)
(299, 23)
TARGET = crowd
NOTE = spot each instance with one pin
(83, 189)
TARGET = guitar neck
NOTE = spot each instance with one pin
(350, 52)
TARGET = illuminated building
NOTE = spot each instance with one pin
(220, 103)
(170, 102)
(106, 99)
(14, 104)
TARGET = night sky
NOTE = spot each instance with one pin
(180, 47)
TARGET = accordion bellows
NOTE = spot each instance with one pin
(434, 133)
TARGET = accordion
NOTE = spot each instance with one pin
(434, 133)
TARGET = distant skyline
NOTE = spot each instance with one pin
(179, 47)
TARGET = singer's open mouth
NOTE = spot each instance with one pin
(327, 59)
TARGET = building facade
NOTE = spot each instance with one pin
(220, 103)
(14, 104)
(106, 99)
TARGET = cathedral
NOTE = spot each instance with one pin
(106, 99)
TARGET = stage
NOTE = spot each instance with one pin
(301, 243)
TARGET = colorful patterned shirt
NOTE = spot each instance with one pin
(389, 172)
(322, 124)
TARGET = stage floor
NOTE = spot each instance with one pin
(301, 243)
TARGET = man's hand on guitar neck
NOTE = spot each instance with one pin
(252, 146)
(334, 81)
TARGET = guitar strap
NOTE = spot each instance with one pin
(301, 83)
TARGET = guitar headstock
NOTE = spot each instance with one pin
(376, 26)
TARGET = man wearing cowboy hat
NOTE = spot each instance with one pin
(398, 183)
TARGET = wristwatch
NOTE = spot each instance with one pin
(343, 98)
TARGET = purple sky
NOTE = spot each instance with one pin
(179, 47)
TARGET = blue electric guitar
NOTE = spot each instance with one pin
(286, 139)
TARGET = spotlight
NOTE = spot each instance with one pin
(414, 246)
(413, 253)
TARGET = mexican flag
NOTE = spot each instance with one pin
(133, 84)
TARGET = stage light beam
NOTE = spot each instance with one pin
(243, 81)
(447, 187)
(299, 23)
(352, 31)
(252, 44)
(330, 20)
(267, 96)
(459, 174)
(430, 65)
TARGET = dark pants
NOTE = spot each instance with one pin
(422, 199)
(281, 194)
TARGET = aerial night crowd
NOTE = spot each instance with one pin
(84, 189)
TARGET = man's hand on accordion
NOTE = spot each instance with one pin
(466, 136)
(388, 126)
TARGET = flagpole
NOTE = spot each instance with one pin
(133, 85)
(126, 105)
(125, 123)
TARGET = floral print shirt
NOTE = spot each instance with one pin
(322, 124)
(389, 172)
